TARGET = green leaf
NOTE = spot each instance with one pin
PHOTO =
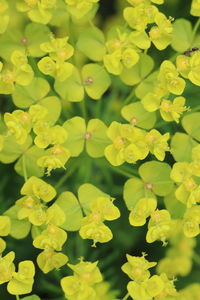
(92, 43)
(191, 125)
(25, 96)
(53, 105)
(19, 228)
(137, 73)
(96, 144)
(146, 86)
(29, 158)
(4, 23)
(87, 193)
(157, 174)
(100, 80)
(12, 40)
(134, 189)
(11, 150)
(71, 89)
(182, 35)
(181, 147)
(76, 129)
(175, 207)
(36, 34)
(143, 118)
(71, 207)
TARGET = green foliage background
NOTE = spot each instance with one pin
(127, 239)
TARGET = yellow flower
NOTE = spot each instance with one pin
(170, 77)
(195, 8)
(22, 281)
(96, 232)
(193, 75)
(7, 268)
(87, 271)
(171, 111)
(137, 267)
(5, 225)
(157, 143)
(159, 226)
(141, 211)
(51, 238)
(75, 288)
(49, 260)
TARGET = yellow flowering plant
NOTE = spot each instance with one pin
(99, 149)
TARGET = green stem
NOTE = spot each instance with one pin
(34, 66)
(17, 297)
(122, 172)
(126, 296)
(196, 26)
(24, 168)
(66, 175)
(129, 97)
(196, 258)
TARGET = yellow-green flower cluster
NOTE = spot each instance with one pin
(142, 14)
(19, 72)
(5, 227)
(39, 11)
(55, 64)
(79, 8)
(130, 144)
(53, 55)
(34, 207)
(122, 52)
(189, 67)
(80, 286)
(93, 227)
(20, 124)
(142, 284)
(178, 260)
(18, 282)
(186, 176)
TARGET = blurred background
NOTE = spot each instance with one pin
(127, 239)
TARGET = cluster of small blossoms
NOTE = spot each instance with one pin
(33, 207)
(18, 72)
(168, 81)
(21, 123)
(92, 227)
(55, 64)
(190, 292)
(39, 11)
(142, 284)
(79, 8)
(140, 16)
(81, 285)
(195, 8)
(43, 11)
(53, 55)
(185, 175)
(178, 260)
(130, 144)
(18, 282)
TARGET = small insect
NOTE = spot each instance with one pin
(189, 51)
